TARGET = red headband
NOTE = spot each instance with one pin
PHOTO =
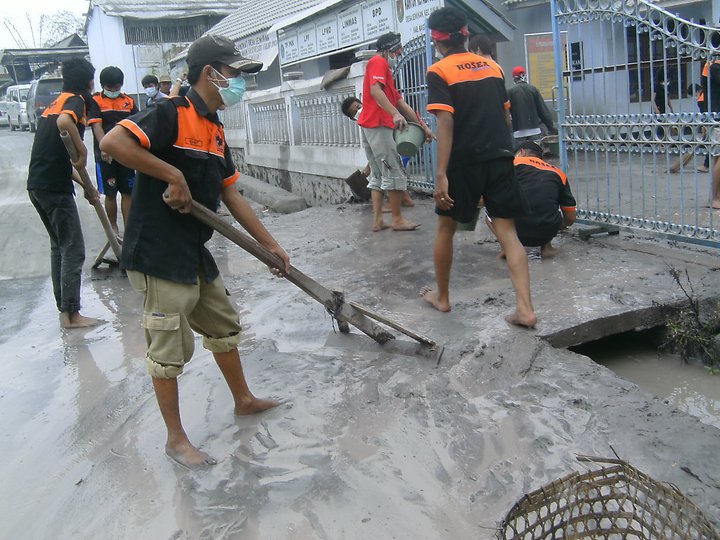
(444, 36)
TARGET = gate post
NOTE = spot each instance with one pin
(559, 64)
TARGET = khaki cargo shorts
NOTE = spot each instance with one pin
(385, 163)
(173, 310)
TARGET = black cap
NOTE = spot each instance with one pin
(532, 147)
(213, 48)
(388, 42)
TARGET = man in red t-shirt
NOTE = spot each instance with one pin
(384, 109)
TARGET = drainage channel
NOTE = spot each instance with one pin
(636, 357)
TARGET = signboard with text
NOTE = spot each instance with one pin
(350, 26)
(361, 23)
(412, 15)
(378, 18)
(259, 46)
(307, 42)
(326, 34)
(288, 47)
(540, 55)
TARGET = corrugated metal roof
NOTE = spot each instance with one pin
(513, 4)
(157, 9)
(259, 15)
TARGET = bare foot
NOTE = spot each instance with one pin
(407, 201)
(75, 320)
(380, 227)
(526, 321)
(254, 406)
(431, 297)
(702, 168)
(405, 225)
(548, 252)
(188, 456)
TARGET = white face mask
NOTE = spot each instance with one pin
(357, 114)
(393, 61)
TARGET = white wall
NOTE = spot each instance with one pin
(106, 41)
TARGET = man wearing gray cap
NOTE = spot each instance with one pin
(384, 109)
(180, 153)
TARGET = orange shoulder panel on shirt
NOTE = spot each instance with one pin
(465, 67)
(136, 130)
(540, 164)
(120, 103)
(195, 132)
(230, 180)
(57, 107)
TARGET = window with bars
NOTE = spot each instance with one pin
(649, 61)
(142, 32)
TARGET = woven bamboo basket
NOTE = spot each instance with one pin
(616, 501)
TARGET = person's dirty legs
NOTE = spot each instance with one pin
(245, 402)
(178, 447)
(517, 262)
(442, 258)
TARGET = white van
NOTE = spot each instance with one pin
(16, 97)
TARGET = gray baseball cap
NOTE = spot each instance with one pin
(213, 48)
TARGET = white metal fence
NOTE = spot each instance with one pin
(633, 141)
(320, 121)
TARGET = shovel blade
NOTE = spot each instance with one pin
(394, 346)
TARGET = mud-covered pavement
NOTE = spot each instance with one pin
(365, 444)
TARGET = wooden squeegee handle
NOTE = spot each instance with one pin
(89, 188)
(343, 312)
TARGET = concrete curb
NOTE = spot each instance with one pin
(273, 197)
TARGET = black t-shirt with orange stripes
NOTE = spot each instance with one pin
(160, 241)
(112, 110)
(50, 167)
(547, 190)
(472, 88)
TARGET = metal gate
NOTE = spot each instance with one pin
(632, 137)
(411, 79)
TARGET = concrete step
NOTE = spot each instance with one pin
(275, 198)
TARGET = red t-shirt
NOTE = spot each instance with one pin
(372, 115)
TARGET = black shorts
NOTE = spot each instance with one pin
(493, 180)
(536, 238)
(114, 177)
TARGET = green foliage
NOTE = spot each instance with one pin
(689, 333)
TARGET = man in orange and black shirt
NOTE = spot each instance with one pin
(112, 176)
(51, 191)
(551, 200)
(178, 148)
(710, 81)
(467, 94)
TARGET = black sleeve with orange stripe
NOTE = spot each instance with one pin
(155, 128)
(94, 114)
(231, 173)
(75, 107)
(439, 97)
(567, 200)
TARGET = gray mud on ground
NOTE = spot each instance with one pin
(365, 444)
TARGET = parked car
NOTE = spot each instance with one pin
(42, 93)
(3, 113)
(16, 97)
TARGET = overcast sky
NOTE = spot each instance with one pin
(16, 11)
